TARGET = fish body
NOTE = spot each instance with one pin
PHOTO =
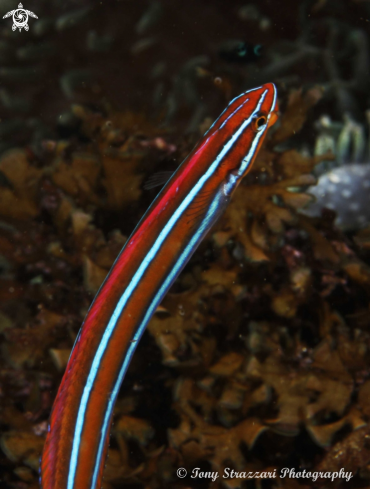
(158, 249)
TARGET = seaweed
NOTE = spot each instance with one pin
(244, 364)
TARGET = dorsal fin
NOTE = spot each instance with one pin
(157, 179)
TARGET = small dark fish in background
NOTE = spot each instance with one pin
(240, 52)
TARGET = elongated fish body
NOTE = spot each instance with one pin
(162, 243)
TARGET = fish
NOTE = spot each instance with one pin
(154, 255)
(240, 52)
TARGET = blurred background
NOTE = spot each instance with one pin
(182, 64)
(259, 357)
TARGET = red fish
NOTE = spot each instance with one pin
(158, 249)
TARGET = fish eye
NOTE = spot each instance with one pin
(259, 121)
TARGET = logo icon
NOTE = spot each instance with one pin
(20, 18)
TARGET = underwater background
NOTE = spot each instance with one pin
(259, 357)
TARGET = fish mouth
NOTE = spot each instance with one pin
(273, 116)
